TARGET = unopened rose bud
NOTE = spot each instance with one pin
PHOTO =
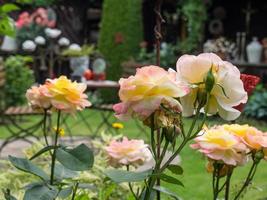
(171, 133)
(209, 80)
(258, 156)
(201, 98)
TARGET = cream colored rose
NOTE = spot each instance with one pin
(227, 91)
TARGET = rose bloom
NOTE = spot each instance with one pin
(194, 70)
(252, 137)
(38, 97)
(66, 95)
(218, 144)
(143, 93)
(128, 152)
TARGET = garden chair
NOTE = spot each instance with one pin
(12, 117)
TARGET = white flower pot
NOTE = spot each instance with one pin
(9, 44)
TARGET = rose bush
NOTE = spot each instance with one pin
(60, 95)
(227, 147)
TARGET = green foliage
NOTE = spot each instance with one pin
(19, 77)
(257, 104)
(7, 26)
(120, 176)
(37, 3)
(123, 21)
(29, 32)
(27, 166)
(196, 14)
(168, 56)
(41, 191)
(92, 184)
(166, 191)
(176, 169)
(78, 159)
(85, 51)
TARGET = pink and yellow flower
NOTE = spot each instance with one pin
(219, 144)
(38, 97)
(144, 92)
(61, 94)
(227, 91)
(66, 95)
(252, 137)
(128, 152)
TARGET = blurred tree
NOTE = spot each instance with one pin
(121, 33)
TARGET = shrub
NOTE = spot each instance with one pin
(257, 104)
(121, 33)
(93, 183)
(18, 79)
(195, 12)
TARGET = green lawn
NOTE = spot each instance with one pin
(195, 178)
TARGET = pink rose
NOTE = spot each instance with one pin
(61, 94)
(219, 144)
(143, 93)
(227, 91)
(250, 136)
(66, 95)
(128, 152)
(38, 97)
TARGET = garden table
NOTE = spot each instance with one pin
(107, 109)
(107, 84)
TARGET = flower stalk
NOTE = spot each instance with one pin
(54, 151)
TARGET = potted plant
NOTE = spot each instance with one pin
(79, 59)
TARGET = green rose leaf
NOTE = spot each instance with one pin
(62, 172)
(176, 169)
(8, 7)
(7, 26)
(166, 191)
(27, 166)
(41, 192)
(65, 192)
(43, 150)
(120, 176)
(77, 159)
(170, 179)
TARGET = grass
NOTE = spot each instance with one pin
(195, 178)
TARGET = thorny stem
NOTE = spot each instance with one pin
(227, 184)
(131, 187)
(158, 36)
(215, 182)
(54, 151)
(153, 145)
(45, 129)
(158, 169)
(75, 190)
(248, 180)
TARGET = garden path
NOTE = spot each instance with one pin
(18, 147)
